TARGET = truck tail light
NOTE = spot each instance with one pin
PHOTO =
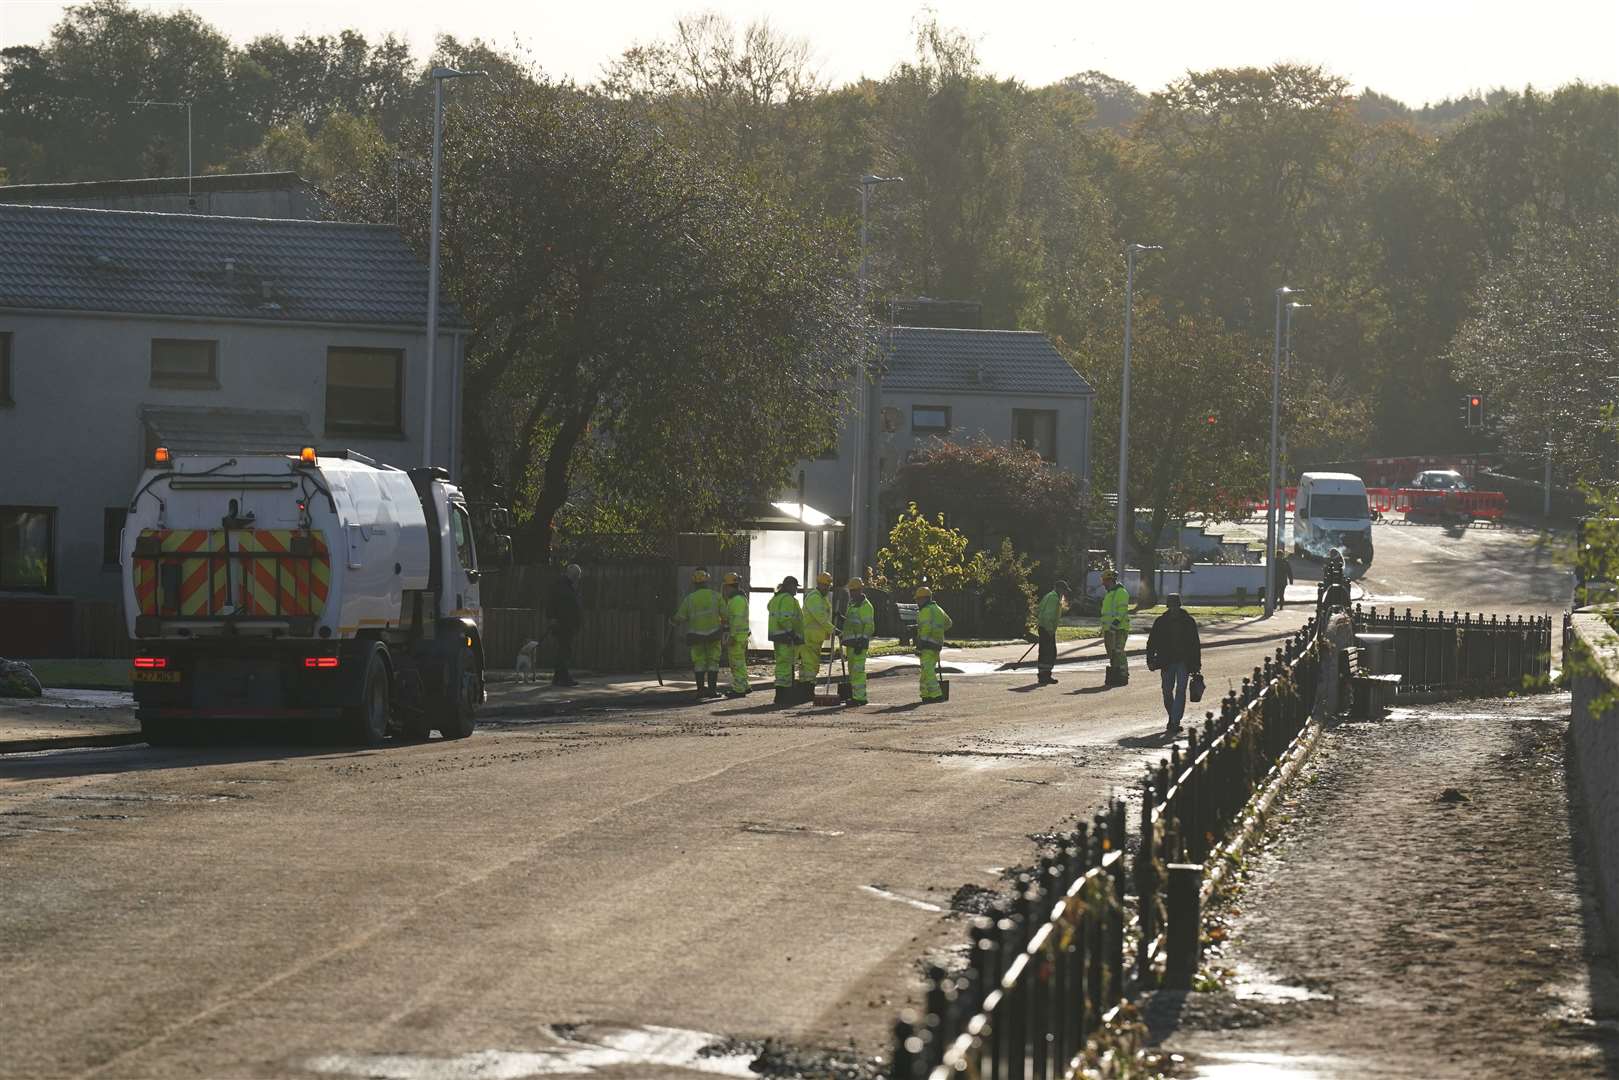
(320, 661)
(151, 662)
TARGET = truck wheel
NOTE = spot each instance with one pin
(367, 722)
(463, 686)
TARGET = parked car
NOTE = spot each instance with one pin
(1440, 480)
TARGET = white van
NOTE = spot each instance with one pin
(1331, 511)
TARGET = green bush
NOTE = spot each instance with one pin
(1009, 596)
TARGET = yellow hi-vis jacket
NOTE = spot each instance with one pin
(817, 616)
(1116, 609)
(859, 623)
(736, 616)
(1050, 611)
(786, 621)
(931, 624)
(700, 614)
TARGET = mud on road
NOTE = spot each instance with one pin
(1420, 911)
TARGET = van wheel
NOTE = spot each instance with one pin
(366, 724)
(463, 693)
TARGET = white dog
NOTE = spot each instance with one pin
(526, 656)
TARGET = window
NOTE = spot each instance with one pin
(930, 418)
(5, 369)
(185, 363)
(363, 391)
(1036, 429)
(27, 548)
(112, 533)
(461, 533)
(1350, 507)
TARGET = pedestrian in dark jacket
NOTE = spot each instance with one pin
(1284, 576)
(566, 615)
(1174, 651)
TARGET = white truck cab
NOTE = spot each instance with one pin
(327, 588)
(1331, 511)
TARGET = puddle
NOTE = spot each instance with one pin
(149, 797)
(581, 1051)
(787, 830)
(1258, 1066)
(1251, 984)
(920, 905)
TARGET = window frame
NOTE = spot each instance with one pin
(5, 369)
(49, 588)
(112, 541)
(929, 429)
(183, 382)
(1018, 440)
(465, 554)
(397, 431)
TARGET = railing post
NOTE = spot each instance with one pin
(1185, 925)
(1146, 885)
(907, 1048)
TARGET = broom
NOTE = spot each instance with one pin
(828, 694)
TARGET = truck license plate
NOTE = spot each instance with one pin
(156, 676)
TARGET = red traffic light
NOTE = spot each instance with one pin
(1475, 402)
(1212, 418)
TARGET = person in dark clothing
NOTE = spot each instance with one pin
(566, 615)
(1284, 576)
(1174, 651)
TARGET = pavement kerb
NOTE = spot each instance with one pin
(69, 742)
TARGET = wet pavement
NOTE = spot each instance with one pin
(1421, 911)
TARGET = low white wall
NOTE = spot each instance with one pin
(1594, 739)
(1204, 581)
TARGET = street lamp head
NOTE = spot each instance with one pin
(1295, 304)
(1286, 291)
(1146, 247)
(453, 73)
(872, 178)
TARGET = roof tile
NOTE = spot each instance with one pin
(980, 361)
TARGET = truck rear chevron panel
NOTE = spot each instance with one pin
(263, 573)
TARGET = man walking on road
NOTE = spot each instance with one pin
(931, 624)
(786, 631)
(701, 614)
(1284, 577)
(1115, 628)
(566, 615)
(1174, 651)
(736, 633)
(1051, 607)
(817, 627)
(859, 623)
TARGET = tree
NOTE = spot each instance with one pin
(657, 323)
(341, 145)
(995, 493)
(922, 552)
(1542, 345)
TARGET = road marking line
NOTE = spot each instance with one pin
(921, 905)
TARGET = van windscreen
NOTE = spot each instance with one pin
(1351, 507)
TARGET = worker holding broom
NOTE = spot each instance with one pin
(701, 615)
(736, 633)
(786, 631)
(817, 628)
(931, 624)
(859, 624)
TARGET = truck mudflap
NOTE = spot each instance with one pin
(229, 573)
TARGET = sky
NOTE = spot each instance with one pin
(1418, 51)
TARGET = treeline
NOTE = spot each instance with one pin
(1406, 227)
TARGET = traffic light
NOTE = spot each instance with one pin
(1212, 420)
(1475, 410)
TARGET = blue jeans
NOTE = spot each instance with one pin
(1174, 676)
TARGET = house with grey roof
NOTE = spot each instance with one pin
(1010, 386)
(123, 331)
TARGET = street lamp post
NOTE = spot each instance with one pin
(867, 399)
(1287, 361)
(1271, 516)
(1124, 509)
(438, 76)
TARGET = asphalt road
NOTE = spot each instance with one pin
(590, 895)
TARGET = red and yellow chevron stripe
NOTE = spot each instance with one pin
(277, 578)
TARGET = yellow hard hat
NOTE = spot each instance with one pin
(856, 583)
(823, 578)
(924, 593)
(699, 576)
(732, 579)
